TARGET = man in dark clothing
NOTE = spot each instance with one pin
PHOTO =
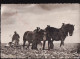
(16, 38)
(37, 29)
(36, 40)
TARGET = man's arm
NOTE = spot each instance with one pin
(18, 36)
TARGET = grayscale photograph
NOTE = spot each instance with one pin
(40, 31)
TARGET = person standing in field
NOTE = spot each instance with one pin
(15, 38)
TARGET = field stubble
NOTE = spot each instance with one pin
(69, 50)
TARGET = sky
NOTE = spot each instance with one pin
(26, 17)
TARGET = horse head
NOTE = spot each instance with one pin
(71, 29)
(68, 28)
(42, 34)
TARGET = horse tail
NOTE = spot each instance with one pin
(25, 35)
(24, 38)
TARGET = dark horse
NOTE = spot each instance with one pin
(35, 37)
(58, 34)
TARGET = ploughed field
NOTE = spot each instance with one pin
(69, 50)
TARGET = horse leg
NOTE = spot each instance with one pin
(62, 43)
(33, 44)
(48, 45)
(44, 44)
(49, 42)
(24, 43)
(28, 45)
(51, 45)
(36, 46)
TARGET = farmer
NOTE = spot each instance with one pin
(16, 38)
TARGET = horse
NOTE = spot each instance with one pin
(40, 36)
(58, 34)
(35, 37)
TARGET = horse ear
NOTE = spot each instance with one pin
(48, 25)
(37, 27)
(63, 23)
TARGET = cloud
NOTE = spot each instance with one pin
(58, 6)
